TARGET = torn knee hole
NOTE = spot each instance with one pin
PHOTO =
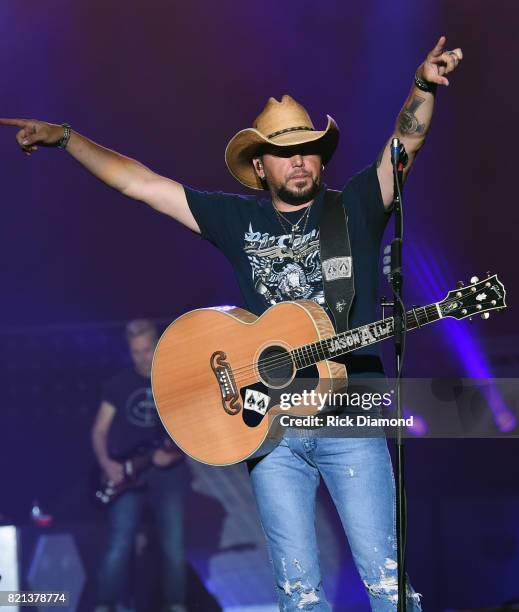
(387, 587)
(307, 597)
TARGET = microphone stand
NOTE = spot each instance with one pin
(399, 161)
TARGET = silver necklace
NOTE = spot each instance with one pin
(294, 226)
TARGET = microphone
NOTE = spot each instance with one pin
(398, 154)
(395, 151)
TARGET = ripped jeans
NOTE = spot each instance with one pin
(359, 476)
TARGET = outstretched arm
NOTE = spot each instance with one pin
(414, 119)
(122, 173)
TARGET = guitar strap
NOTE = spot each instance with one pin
(336, 260)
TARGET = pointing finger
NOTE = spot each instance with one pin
(17, 122)
(438, 49)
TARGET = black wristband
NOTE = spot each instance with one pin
(63, 141)
(426, 86)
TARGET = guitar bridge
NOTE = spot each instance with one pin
(223, 372)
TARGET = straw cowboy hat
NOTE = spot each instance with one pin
(282, 124)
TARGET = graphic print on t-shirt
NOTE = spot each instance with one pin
(285, 267)
(140, 408)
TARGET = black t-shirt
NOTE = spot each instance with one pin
(136, 420)
(270, 268)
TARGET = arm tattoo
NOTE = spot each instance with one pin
(407, 121)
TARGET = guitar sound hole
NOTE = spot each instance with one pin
(275, 366)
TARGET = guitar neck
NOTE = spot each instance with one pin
(365, 335)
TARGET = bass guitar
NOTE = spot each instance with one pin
(135, 463)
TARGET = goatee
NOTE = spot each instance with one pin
(299, 197)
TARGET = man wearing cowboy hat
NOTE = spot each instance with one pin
(273, 245)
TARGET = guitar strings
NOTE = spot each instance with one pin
(410, 319)
(273, 363)
(286, 358)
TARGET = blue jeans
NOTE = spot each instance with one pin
(165, 495)
(359, 476)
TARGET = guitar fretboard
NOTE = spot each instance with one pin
(345, 342)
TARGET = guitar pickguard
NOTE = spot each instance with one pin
(258, 399)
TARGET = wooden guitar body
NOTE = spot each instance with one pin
(218, 373)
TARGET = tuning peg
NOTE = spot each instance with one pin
(485, 315)
(474, 279)
(489, 274)
(470, 318)
(460, 284)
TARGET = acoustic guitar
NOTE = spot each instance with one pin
(218, 374)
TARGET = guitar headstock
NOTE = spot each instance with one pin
(480, 297)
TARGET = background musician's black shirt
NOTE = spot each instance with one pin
(136, 420)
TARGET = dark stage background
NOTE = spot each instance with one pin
(169, 83)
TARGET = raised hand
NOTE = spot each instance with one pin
(439, 62)
(33, 133)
